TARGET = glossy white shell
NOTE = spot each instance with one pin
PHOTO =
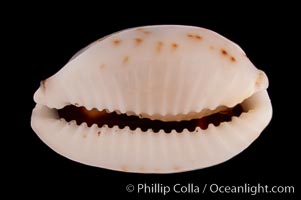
(159, 72)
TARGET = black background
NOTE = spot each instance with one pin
(45, 41)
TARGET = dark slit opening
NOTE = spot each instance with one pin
(101, 118)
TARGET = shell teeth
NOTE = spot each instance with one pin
(83, 124)
(117, 112)
(106, 110)
(72, 122)
(166, 129)
(166, 117)
(148, 130)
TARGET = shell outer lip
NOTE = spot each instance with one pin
(196, 149)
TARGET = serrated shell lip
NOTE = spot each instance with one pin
(196, 140)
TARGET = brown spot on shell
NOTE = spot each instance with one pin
(176, 168)
(116, 42)
(224, 52)
(190, 35)
(98, 133)
(124, 168)
(259, 79)
(102, 66)
(159, 46)
(126, 59)
(174, 46)
(142, 30)
(198, 37)
(138, 41)
(194, 36)
(43, 84)
(84, 136)
(76, 104)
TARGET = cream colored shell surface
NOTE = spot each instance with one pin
(153, 77)
(160, 72)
